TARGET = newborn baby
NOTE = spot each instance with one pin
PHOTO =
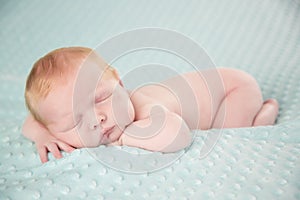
(77, 100)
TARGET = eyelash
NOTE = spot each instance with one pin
(76, 125)
(71, 129)
(101, 99)
(78, 122)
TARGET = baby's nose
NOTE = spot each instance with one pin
(102, 118)
(97, 123)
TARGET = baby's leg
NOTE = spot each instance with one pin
(239, 107)
(242, 105)
(267, 114)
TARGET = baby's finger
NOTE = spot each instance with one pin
(43, 153)
(54, 150)
(65, 147)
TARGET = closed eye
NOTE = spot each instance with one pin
(103, 98)
(72, 128)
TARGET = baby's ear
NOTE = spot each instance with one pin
(121, 83)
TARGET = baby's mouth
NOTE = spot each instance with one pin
(106, 133)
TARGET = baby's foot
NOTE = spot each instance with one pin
(267, 114)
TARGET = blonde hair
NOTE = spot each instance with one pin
(50, 70)
(46, 72)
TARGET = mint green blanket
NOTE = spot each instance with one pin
(260, 37)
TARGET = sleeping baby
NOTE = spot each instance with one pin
(77, 100)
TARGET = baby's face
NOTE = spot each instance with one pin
(89, 115)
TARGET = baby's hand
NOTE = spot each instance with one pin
(44, 141)
(162, 131)
(49, 143)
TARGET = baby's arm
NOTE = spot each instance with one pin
(162, 131)
(44, 141)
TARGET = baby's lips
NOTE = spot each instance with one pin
(108, 130)
(105, 135)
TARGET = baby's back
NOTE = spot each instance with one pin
(195, 96)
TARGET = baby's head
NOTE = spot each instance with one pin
(72, 90)
(49, 72)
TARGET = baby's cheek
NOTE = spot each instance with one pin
(122, 109)
(88, 137)
(71, 138)
(123, 114)
(131, 112)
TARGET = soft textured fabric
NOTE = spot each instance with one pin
(260, 37)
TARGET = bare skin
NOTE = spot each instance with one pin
(154, 117)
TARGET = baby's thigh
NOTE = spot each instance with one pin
(242, 100)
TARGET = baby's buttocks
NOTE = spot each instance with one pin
(194, 96)
(200, 103)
